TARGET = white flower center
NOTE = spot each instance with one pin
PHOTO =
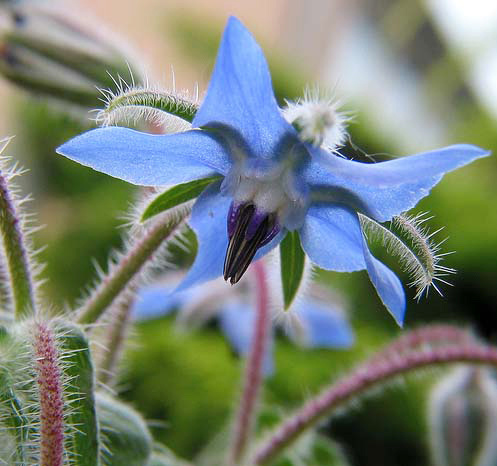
(273, 192)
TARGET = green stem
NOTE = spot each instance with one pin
(128, 267)
(16, 254)
(366, 377)
(115, 336)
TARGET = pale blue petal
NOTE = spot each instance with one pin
(240, 94)
(149, 159)
(332, 238)
(387, 284)
(323, 326)
(156, 301)
(384, 189)
(237, 323)
(208, 221)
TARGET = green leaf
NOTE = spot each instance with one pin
(177, 195)
(292, 259)
(79, 392)
(123, 432)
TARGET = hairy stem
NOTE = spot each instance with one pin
(50, 396)
(366, 377)
(126, 269)
(253, 373)
(429, 335)
(21, 282)
(114, 337)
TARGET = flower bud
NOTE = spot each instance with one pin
(463, 418)
(317, 120)
(48, 52)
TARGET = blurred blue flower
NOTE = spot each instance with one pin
(311, 324)
(274, 181)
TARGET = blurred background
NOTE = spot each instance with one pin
(415, 75)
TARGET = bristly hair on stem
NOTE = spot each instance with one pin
(363, 380)
(413, 244)
(128, 269)
(16, 230)
(171, 110)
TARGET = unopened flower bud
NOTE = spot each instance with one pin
(463, 418)
(46, 51)
(317, 120)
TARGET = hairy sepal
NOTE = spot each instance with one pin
(410, 241)
(171, 110)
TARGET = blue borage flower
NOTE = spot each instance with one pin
(315, 322)
(273, 181)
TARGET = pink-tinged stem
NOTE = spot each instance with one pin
(362, 379)
(253, 373)
(429, 335)
(50, 395)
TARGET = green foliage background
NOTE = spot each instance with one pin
(185, 383)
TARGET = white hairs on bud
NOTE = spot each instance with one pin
(317, 119)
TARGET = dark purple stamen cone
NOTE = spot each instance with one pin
(248, 230)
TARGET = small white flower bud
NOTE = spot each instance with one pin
(317, 120)
(463, 418)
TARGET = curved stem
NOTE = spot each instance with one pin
(126, 269)
(253, 372)
(429, 335)
(21, 281)
(362, 379)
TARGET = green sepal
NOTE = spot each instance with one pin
(177, 195)
(83, 446)
(123, 432)
(292, 260)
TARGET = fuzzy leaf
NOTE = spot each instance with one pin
(177, 195)
(292, 259)
(124, 433)
(78, 368)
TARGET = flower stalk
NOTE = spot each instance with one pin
(115, 337)
(21, 281)
(253, 373)
(50, 395)
(361, 380)
(128, 267)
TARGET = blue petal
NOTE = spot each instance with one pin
(155, 301)
(382, 190)
(387, 284)
(208, 220)
(324, 327)
(148, 159)
(240, 93)
(332, 238)
(237, 323)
